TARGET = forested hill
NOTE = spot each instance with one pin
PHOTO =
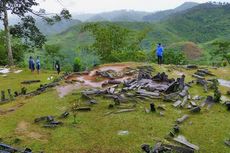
(202, 23)
(199, 24)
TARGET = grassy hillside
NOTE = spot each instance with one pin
(97, 132)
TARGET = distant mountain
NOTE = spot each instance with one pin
(48, 29)
(120, 15)
(56, 28)
(162, 15)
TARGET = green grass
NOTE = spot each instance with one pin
(13, 81)
(95, 132)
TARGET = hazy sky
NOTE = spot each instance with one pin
(95, 6)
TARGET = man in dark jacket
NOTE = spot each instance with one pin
(31, 64)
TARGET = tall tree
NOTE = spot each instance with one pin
(223, 50)
(22, 8)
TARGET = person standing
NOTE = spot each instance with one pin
(57, 66)
(31, 64)
(38, 64)
(159, 52)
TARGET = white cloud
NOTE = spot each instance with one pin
(93, 6)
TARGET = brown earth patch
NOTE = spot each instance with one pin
(91, 79)
(11, 109)
(191, 50)
(22, 129)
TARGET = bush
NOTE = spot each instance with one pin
(174, 57)
(77, 65)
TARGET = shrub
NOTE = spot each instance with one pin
(174, 57)
(77, 65)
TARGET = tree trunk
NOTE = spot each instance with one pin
(8, 39)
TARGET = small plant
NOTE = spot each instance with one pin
(74, 111)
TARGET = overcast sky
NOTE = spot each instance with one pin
(95, 6)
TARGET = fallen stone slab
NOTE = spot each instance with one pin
(200, 74)
(193, 103)
(64, 115)
(197, 97)
(181, 139)
(92, 102)
(208, 101)
(228, 106)
(144, 92)
(182, 119)
(183, 93)
(124, 111)
(205, 71)
(197, 76)
(196, 109)
(44, 118)
(50, 126)
(184, 101)
(178, 149)
(177, 103)
(114, 82)
(171, 97)
(163, 148)
(83, 109)
(30, 81)
(192, 67)
(4, 148)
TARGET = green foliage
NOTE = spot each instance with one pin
(77, 65)
(127, 56)
(88, 58)
(52, 50)
(17, 47)
(202, 23)
(222, 50)
(28, 31)
(174, 57)
(108, 37)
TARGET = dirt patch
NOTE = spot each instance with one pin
(191, 50)
(116, 68)
(23, 130)
(11, 109)
(92, 79)
(22, 127)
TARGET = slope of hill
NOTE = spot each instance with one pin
(202, 23)
(162, 15)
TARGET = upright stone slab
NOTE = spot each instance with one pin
(3, 96)
(10, 94)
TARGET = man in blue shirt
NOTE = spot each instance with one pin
(159, 53)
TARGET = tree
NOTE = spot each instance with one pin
(223, 50)
(108, 38)
(22, 8)
(18, 47)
